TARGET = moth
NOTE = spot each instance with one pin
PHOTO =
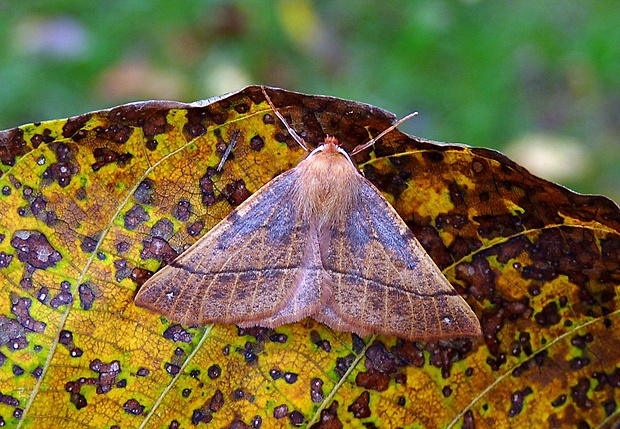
(317, 241)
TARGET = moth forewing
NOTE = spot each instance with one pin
(319, 240)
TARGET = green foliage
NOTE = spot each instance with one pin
(480, 72)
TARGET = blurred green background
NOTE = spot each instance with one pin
(538, 80)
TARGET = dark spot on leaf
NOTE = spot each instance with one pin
(275, 373)
(172, 368)
(290, 377)
(236, 192)
(280, 411)
(257, 422)
(278, 338)
(329, 418)
(409, 352)
(62, 170)
(78, 400)
(177, 333)
(76, 352)
(182, 211)
(446, 391)
(151, 144)
(186, 392)
(214, 371)
(105, 156)
(343, 364)
(560, 400)
(158, 249)
(138, 275)
(132, 406)
(20, 308)
(199, 416)
(195, 228)
(144, 193)
(237, 424)
(5, 260)
(32, 247)
(17, 370)
(433, 156)
(142, 372)
(296, 418)
(135, 216)
(316, 390)
(12, 145)
(516, 400)
(402, 401)
(456, 221)
(174, 425)
(88, 245)
(217, 401)
(207, 190)
(121, 384)
(257, 143)
(359, 407)
(579, 394)
(122, 246)
(87, 296)
(37, 372)
(609, 406)
(549, 315)
(6, 190)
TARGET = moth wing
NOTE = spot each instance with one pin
(384, 282)
(256, 267)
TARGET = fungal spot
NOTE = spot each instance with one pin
(560, 400)
(135, 217)
(17, 370)
(5, 260)
(78, 400)
(343, 364)
(359, 407)
(132, 406)
(446, 391)
(105, 156)
(549, 315)
(579, 394)
(195, 228)
(517, 400)
(88, 245)
(278, 338)
(182, 211)
(275, 373)
(316, 390)
(20, 308)
(280, 411)
(290, 377)
(195, 373)
(238, 394)
(172, 368)
(63, 297)
(142, 372)
(236, 192)
(158, 249)
(33, 248)
(199, 416)
(64, 169)
(151, 144)
(207, 190)
(214, 371)
(257, 143)
(401, 401)
(296, 418)
(257, 422)
(6, 190)
(186, 392)
(217, 401)
(37, 372)
(138, 275)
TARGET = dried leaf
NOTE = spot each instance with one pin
(91, 205)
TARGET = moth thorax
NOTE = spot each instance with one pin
(328, 184)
